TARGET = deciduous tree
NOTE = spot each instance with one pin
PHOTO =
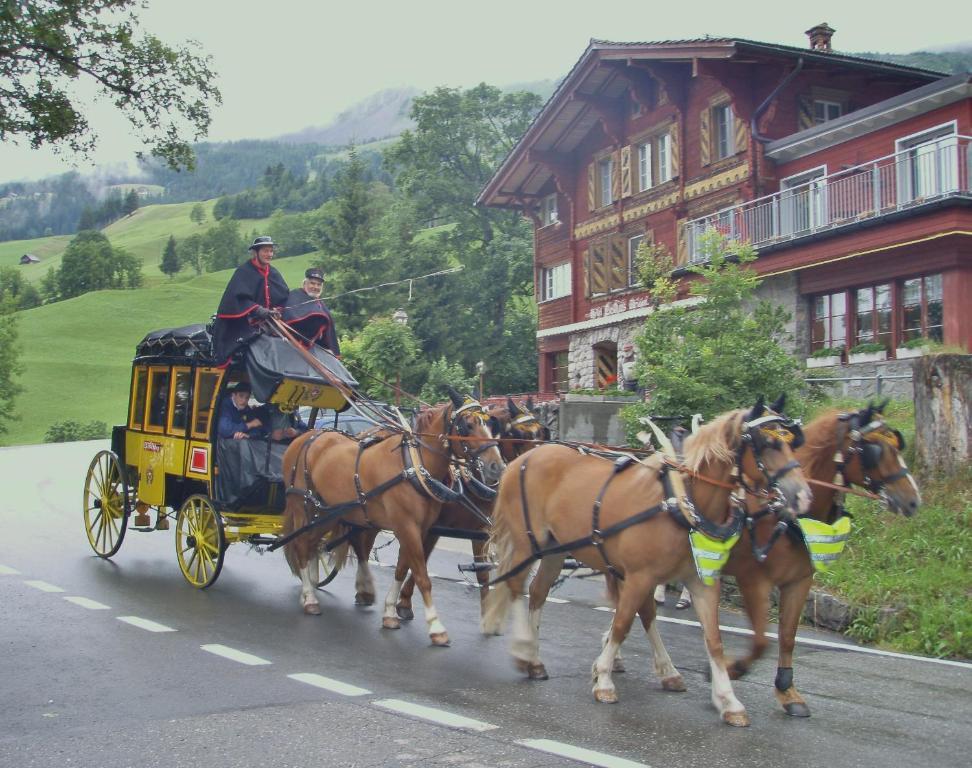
(52, 50)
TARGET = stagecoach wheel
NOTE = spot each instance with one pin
(329, 568)
(200, 541)
(105, 504)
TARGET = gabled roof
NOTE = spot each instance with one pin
(564, 122)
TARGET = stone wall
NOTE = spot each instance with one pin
(864, 388)
(581, 353)
(783, 291)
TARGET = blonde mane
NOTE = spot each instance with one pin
(716, 441)
(425, 421)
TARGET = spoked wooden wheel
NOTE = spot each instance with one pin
(200, 541)
(105, 504)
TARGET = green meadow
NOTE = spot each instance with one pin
(77, 353)
(144, 234)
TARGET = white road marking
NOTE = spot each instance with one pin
(557, 600)
(579, 754)
(43, 586)
(234, 655)
(6, 570)
(84, 602)
(146, 624)
(814, 642)
(329, 684)
(434, 715)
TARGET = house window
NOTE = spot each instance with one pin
(654, 162)
(548, 210)
(722, 119)
(633, 243)
(824, 111)
(559, 370)
(555, 282)
(921, 308)
(829, 322)
(803, 202)
(605, 180)
(927, 164)
(608, 266)
(874, 315)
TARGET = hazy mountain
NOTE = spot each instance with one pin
(379, 116)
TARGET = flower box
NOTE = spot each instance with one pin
(902, 353)
(867, 357)
(823, 362)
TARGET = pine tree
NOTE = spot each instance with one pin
(170, 259)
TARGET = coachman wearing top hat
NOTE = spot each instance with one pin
(307, 314)
(253, 293)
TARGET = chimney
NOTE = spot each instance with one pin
(820, 37)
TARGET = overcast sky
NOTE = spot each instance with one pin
(287, 64)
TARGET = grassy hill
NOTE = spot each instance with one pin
(143, 234)
(77, 353)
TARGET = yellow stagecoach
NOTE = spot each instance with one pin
(167, 460)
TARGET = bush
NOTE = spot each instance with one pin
(828, 352)
(922, 343)
(867, 348)
(70, 431)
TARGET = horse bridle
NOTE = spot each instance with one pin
(869, 452)
(756, 436)
(456, 426)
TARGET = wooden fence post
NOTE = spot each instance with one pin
(943, 411)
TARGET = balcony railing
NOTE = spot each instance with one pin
(912, 177)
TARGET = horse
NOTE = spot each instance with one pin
(841, 449)
(388, 480)
(637, 531)
(518, 431)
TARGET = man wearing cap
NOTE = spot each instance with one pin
(307, 314)
(251, 295)
(235, 419)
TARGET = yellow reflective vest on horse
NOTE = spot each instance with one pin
(710, 555)
(824, 541)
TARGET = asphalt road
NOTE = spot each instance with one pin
(122, 663)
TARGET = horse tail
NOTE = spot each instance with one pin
(295, 514)
(612, 587)
(502, 542)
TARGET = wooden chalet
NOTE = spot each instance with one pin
(851, 178)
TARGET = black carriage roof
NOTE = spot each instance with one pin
(267, 359)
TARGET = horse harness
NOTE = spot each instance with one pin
(414, 472)
(682, 510)
(807, 530)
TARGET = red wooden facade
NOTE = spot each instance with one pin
(656, 141)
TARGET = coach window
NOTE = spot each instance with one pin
(137, 414)
(179, 397)
(204, 398)
(158, 399)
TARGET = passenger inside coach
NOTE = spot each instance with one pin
(237, 420)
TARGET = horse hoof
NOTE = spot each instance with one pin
(736, 719)
(673, 684)
(489, 629)
(364, 598)
(618, 665)
(390, 622)
(440, 639)
(606, 695)
(312, 609)
(404, 612)
(737, 669)
(537, 672)
(797, 709)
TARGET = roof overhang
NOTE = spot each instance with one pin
(547, 147)
(862, 121)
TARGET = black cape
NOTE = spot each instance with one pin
(249, 287)
(311, 319)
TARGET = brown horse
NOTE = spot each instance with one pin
(553, 503)
(518, 431)
(856, 448)
(388, 481)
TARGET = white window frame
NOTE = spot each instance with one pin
(811, 198)
(644, 166)
(633, 243)
(605, 181)
(719, 110)
(942, 140)
(827, 104)
(548, 210)
(663, 143)
(555, 281)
